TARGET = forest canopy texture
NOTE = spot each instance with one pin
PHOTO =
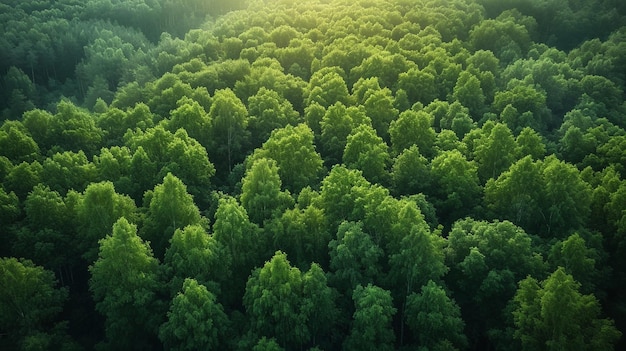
(312, 175)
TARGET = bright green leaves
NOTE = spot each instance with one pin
(16, 144)
(269, 111)
(540, 195)
(285, 304)
(124, 285)
(261, 192)
(419, 260)
(97, 210)
(494, 152)
(230, 121)
(195, 321)
(367, 152)
(413, 128)
(456, 184)
(411, 172)
(170, 208)
(192, 117)
(556, 316)
(371, 324)
(193, 253)
(336, 125)
(292, 148)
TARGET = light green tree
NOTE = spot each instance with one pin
(367, 151)
(124, 284)
(170, 208)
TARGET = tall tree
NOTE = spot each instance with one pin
(413, 128)
(371, 323)
(435, 319)
(273, 300)
(125, 288)
(556, 316)
(261, 191)
(292, 148)
(354, 258)
(170, 208)
(195, 320)
(242, 243)
(193, 253)
(230, 121)
(98, 209)
(495, 151)
(367, 151)
(30, 304)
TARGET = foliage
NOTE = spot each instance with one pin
(419, 162)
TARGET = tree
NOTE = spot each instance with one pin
(292, 148)
(303, 235)
(261, 192)
(529, 142)
(371, 323)
(17, 145)
(30, 304)
(337, 124)
(435, 318)
(74, 129)
(420, 259)
(170, 208)
(495, 151)
(195, 320)
(273, 300)
(354, 258)
(192, 117)
(269, 111)
(410, 173)
(98, 209)
(567, 197)
(517, 193)
(556, 316)
(486, 260)
(48, 236)
(195, 254)
(230, 121)
(337, 198)
(242, 243)
(419, 85)
(367, 152)
(125, 287)
(413, 128)
(469, 93)
(582, 262)
(457, 188)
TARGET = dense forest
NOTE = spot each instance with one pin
(312, 175)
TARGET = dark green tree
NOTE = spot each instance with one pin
(371, 323)
(435, 318)
(554, 315)
(195, 320)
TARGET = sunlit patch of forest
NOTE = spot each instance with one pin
(312, 175)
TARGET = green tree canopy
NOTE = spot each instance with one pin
(195, 320)
(555, 315)
(124, 284)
